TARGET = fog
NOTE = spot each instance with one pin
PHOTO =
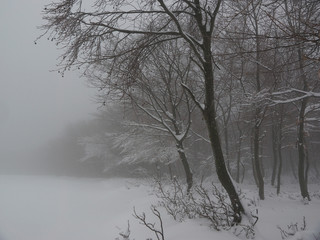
(193, 116)
(36, 103)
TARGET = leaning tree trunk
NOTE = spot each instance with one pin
(210, 118)
(221, 167)
(205, 57)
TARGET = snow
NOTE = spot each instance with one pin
(294, 99)
(61, 208)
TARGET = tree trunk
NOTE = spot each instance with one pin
(258, 116)
(254, 171)
(256, 145)
(301, 139)
(221, 168)
(315, 166)
(185, 164)
(279, 146)
(243, 173)
(292, 165)
(275, 154)
(210, 117)
(239, 157)
(238, 167)
(307, 166)
(301, 152)
(226, 142)
(261, 160)
(209, 111)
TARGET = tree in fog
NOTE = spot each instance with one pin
(267, 38)
(246, 33)
(91, 35)
(97, 142)
(301, 21)
(155, 92)
(259, 109)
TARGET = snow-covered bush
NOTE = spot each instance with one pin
(203, 201)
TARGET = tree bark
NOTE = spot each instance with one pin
(275, 154)
(226, 142)
(254, 171)
(239, 156)
(186, 166)
(279, 169)
(279, 149)
(256, 143)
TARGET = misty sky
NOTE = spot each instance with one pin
(35, 103)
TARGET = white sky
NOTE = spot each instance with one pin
(35, 104)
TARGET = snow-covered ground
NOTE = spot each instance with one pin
(47, 208)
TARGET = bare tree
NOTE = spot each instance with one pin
(108, 31)
(299, 27)
(157, 94)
